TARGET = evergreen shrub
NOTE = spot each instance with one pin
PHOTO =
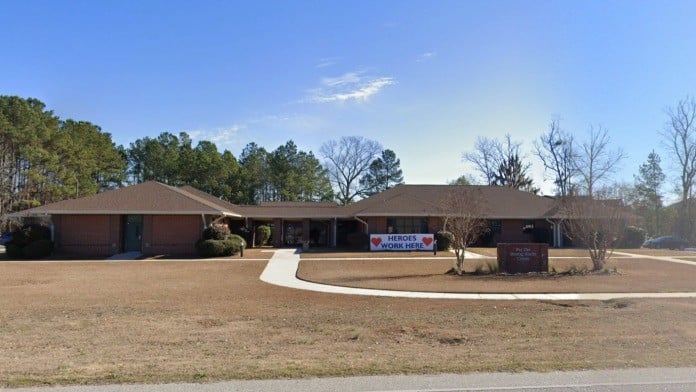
(633, 237)
(220, 248)
(444, 239)
(31, 241)
(38, 249)
(216, 232)
(263, 234)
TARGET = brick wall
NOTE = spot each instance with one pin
(87, 235)
(171, 234)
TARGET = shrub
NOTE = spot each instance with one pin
(210, 248)
(13, 251)
(244, 233)
(220, 248)
(444, 239)
(38, 249)
(30, 233)
(238, 240)
(358, 240)
(216, 232)
(633, 237)
(263, 233)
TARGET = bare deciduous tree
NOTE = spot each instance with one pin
(680, 140)
(595, 223)
(595, 161)
(491, 158)
(556, 151)
(347, 159)
(463, 209)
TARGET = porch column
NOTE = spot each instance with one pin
(305, 229)
(278, 233)
(334, 226)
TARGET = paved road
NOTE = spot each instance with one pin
(654, 379)
(281, 270)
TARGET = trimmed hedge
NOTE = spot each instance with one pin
(444, 240)
(230, 246)
(13, 251)
(38, 249)
(263, 234)
(216, 232)
(217, 248)
(30, 233)
(32, 241)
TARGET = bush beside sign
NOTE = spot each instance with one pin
(402, 242)
(523, 258)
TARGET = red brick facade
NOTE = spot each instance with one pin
(87, 235)
(102, 235)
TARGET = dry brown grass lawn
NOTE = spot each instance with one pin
(328, 254)
(635, 275)
(158, 321)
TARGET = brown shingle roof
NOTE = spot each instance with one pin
(425, 200)
(293, 209)
(146, 198)
(402, 200)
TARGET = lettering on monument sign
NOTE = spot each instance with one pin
(523, 258)
(403, 242)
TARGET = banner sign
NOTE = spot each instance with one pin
(403, 242)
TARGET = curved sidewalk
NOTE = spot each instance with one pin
(281, 270)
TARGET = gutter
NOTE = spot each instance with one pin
(556, 233)
(367, 226)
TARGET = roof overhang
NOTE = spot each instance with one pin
(115, 212)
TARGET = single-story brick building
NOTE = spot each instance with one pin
(151, 218)
(155, 218)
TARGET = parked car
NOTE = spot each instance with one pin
(665, 242)
(5, 238)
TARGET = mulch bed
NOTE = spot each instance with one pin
(634, 275)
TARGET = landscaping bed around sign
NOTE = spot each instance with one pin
(159, 321)
(633, 275)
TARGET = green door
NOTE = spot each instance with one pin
(133, 233)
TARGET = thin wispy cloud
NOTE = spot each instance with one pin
(426, 56)
(223, 137)
(291, 122)
(327, 62)
(351, 86)
(345, 79)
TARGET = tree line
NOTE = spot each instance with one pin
(45, 159)
(585, 168)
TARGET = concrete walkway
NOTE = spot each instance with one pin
(281, 270)
(661, 258)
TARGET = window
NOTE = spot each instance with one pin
(528, 227)
(407, 225)
(496, 226)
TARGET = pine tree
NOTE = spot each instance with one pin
(383, 173)
(512, 173)
(648, 184)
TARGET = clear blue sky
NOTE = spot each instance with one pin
(422, 78)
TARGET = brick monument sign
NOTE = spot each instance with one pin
(523, 258)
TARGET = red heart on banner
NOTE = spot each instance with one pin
(427, 241)
(376, 241)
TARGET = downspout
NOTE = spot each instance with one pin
(203, 219)
(333, 232)
(555, 227)
(367, 227)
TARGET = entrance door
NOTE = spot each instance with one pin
(133, 233)
(293, 233)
